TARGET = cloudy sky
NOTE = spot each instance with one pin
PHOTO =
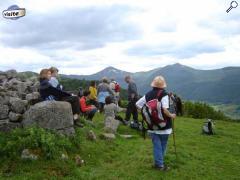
(85, 36)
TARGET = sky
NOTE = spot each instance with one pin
(86, 36)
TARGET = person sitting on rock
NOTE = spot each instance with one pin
(111, 121)
(48, 92)
(88, 110)
(53, 80)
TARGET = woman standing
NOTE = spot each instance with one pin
(161, 134)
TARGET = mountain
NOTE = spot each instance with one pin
(109, 72)
(214, 86)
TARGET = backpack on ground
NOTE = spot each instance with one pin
(152, 113)
(208, 127)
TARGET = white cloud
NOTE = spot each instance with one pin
(167, 27)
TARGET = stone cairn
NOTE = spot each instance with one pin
(17, 94)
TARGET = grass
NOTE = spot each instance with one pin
(199, 156)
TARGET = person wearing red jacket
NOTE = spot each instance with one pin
(88, 110)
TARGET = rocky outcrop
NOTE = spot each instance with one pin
(16, 96)
(51, 115)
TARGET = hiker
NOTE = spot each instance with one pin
(88, 110)
(48, 92)
(103, 91)
(53, 80)
(80, 92)
(116, 89)
(159, 132)
(132, 99)
(110, 115)
(93, 93)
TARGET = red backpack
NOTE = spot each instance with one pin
(117, 87)
(152, 113)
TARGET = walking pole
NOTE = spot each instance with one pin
(174, 138)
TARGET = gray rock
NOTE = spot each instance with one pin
(18, 105)
(11, 73)
(33, 96)
(111, 125)
(3, 76)
(51, 115)
(27, 155)
(22, 87)
(4, 100)
(108, 136)
(79, 161)
(91, 136)
(126, 136)
(8, 126)
(12, 93)
(14, 117)
(4, 111)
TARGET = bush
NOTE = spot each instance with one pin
(202, 110)
(48, 144)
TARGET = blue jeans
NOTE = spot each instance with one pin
(159, 148)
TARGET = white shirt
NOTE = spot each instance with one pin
(165, 104)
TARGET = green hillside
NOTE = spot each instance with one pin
(199, 156)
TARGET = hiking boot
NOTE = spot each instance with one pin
(160, 168)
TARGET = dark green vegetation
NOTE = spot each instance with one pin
(199, 110)
(199, 156)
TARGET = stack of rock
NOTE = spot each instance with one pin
(20, 106)
(16, 95)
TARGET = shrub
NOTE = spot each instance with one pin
(48, 144)
(202, 110)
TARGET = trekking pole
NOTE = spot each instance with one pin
(174, 138)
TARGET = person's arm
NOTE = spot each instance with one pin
(165, 106)
(57, 93)
(140, 103)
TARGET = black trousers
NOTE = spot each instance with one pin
(74, 101)
(131, 110)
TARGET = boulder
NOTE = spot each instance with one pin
(111, 125)
(4, 111)
(3, 76)
(52, 115)
(91, 136)
(27, 155)
(18, 105)
(33, 97)
(14, 117)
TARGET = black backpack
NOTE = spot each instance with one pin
(208, 127)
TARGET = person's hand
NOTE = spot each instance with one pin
(173, 116)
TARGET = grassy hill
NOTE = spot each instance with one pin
(199, 156)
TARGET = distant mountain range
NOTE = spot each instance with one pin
(215, 86)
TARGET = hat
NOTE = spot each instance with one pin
(159, 82)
